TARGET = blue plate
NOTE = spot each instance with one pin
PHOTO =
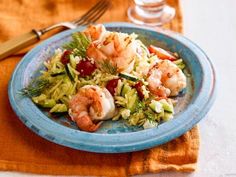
(114, 137)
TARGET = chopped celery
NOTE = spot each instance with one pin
(48, 103)
(58, 108)
(133, 100)
(39, 99)
(156, 106)
(72, 61)
(69, 72)
(43, 101)
(125, 89)
(128, 77)
(167, 106)
(167, 116)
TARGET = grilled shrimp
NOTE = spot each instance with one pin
(166, 79)
(96, 32)
(119, 48)
(155, 85)
(91, 103)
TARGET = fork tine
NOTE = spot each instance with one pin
(97, 15)
(94, 17)
(90, 12)
(101, 13)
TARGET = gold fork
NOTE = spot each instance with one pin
(14, 45)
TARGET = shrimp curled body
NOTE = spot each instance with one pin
(166, 79)
(118, 48)
(90, 104)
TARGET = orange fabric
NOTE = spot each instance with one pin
(22, 150)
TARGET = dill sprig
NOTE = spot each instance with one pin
(79, 44)
(107, 66)
(36, 87)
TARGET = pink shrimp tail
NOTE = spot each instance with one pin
(86, 124)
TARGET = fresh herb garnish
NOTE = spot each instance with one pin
(79, 44)
(107, 66)
(36, 87)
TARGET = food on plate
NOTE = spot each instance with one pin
(101, 75)
(91, 103)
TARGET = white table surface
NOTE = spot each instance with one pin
(212, 25)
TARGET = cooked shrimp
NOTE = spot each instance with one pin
(89, 104)
(155, 84)
(95, 32)
(119, 48)
(166, 79)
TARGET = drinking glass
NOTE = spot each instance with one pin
(150, 12)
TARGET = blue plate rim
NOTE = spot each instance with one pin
(131, 145)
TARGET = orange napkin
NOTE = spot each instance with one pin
(22, 150)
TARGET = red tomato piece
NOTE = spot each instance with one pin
(161, 53)
(111, 86)
(65, 58)
(85, 67)
(138, 87)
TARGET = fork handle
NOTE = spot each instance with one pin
(14, 45)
